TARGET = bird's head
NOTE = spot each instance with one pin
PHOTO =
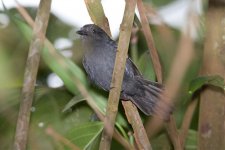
(92, 32)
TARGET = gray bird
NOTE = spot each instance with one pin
(98, 61)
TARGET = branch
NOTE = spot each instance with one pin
(30, 75)
(118, 72)
(150, 42)
(134, 119)
(187, 120)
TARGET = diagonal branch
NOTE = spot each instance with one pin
(187, 120)
(30, 75)
(171, 125)
(150, 42)
(134, 119)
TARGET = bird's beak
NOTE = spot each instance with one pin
(81, 32)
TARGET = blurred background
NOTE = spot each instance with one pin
(168, 19)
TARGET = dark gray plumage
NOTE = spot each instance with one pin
(98, 61)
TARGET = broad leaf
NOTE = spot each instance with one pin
(198, 82)
(84, 135)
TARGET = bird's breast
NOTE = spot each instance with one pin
(98, 63)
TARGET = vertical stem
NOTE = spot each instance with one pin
(30, 75)
(118, 72)
(212, 101)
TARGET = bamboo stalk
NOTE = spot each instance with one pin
(37, 42)
(118, 72)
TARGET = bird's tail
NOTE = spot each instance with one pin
(146, 95)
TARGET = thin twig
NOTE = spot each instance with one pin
(82, 89)
(187, 120)
(150, 42)
(134, 119)
(180, 64)
(119, 138)
(173, 133)
(118, 72)
(59, 138)
(171, 125)
(30, 75)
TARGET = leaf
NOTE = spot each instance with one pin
(84, 135)
(191, 141)
(75, 100)
(161, 142)
(146, 67)
(62, 66)
(198, 82)
(101, 101)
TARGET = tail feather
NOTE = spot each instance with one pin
(146, 96)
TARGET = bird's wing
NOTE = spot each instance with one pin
(131, 68)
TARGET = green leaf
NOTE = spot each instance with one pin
(161, 142)
(146, 67)
(75, 100)
(101, 101)
(198, 82)
(84, 135)
(191, 141)
(62, 66)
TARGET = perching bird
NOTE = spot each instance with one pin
(98, 61)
